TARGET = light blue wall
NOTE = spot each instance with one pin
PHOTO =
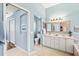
(1, 23)
(1, 31)
(36, 9)
(69, 11)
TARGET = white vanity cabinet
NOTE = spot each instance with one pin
(56, 42)
(69, 45)
(52, 42)
(62, 43)
(46, 41)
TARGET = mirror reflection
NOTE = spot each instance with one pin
(57, 26)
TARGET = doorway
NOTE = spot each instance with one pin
(37, 30)
(12, 31)
(11, 34)
(16, 30)
(11, 26)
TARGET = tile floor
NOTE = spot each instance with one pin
(44, 51)
(16, 52)
(38, 51)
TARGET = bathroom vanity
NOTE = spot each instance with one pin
(63, 43)
(58, 35)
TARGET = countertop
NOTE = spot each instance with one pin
(61, 36)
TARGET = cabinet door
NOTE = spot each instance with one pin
(52, 42)
(62, 44)
(57, 43)
(46, 41)
(69, 45)
(1, 50)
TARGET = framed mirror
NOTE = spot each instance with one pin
(63, 26)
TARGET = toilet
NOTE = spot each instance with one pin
(37, 39)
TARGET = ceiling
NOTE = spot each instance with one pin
(46, 5)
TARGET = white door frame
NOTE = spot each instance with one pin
(14, 25)
(28, 29)
(28, 26)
